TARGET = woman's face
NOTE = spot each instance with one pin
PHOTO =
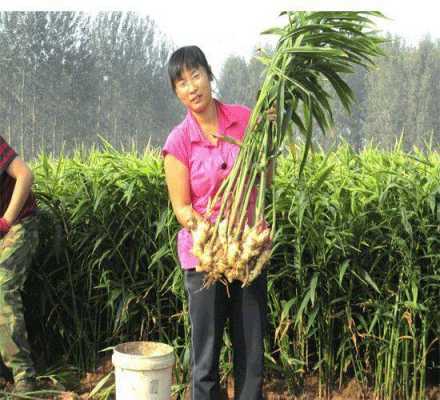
(193, 89)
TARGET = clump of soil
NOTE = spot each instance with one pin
(88, 383)
(353, 390)
(433, 393)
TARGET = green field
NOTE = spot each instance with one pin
(354, 280)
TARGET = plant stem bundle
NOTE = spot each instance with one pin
(314, 47)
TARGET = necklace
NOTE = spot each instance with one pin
(211, 136)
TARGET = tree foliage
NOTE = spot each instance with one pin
(67, 78)
(398, 98)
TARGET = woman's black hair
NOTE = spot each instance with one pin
(188, 57)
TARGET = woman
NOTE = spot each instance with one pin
(18, 241)
(196, 162)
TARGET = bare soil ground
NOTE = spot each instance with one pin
(274, 389)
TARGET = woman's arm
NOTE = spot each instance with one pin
(177, 178)
(18, 170)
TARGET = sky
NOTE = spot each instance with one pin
(225, 27)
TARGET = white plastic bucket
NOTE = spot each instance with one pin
(143, 370)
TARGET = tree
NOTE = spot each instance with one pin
(240, 80)
(66, 77)
(234, 81)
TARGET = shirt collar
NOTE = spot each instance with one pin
(226, 120)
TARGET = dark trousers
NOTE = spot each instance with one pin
(209, 308)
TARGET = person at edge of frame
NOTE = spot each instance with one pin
(18, 243)
(196, 161)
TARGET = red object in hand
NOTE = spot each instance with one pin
(4, 227)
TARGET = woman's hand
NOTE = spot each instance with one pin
(270, 113)
(4, 227)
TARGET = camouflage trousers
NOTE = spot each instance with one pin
(17, 248)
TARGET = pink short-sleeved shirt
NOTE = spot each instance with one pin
(208, 164)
